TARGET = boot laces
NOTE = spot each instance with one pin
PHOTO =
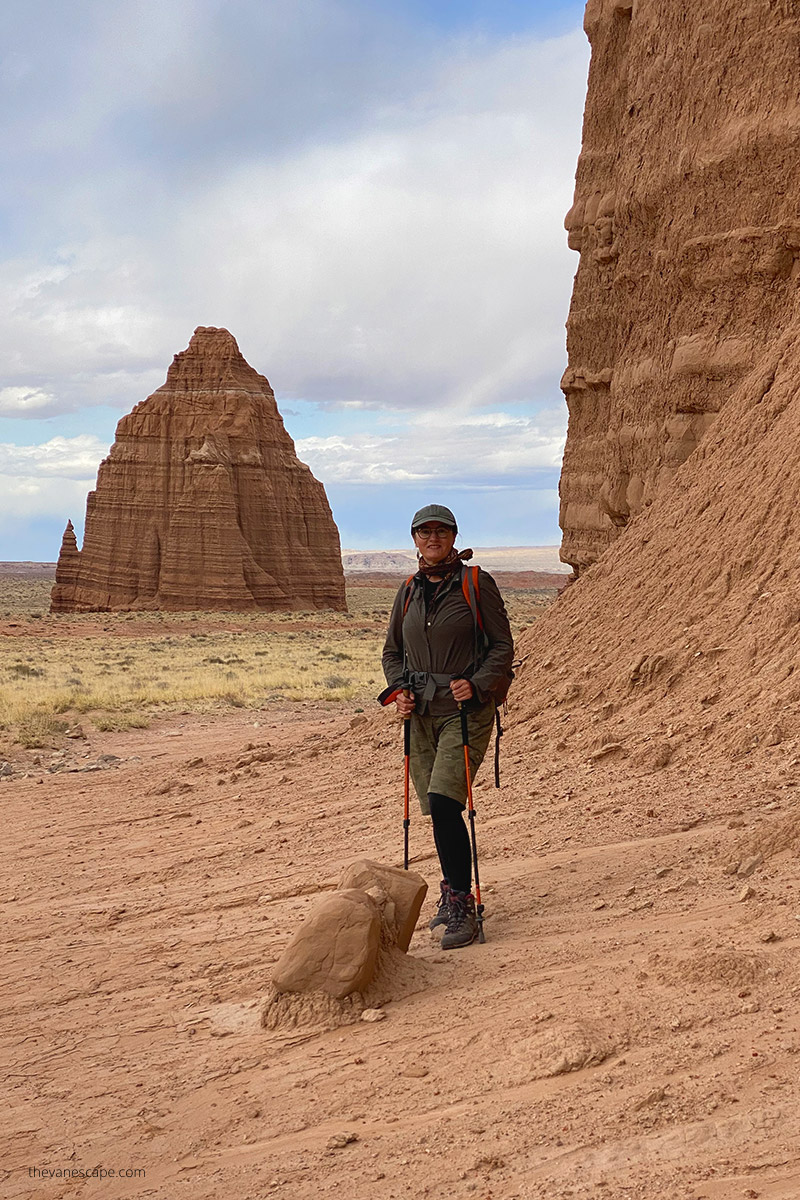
(459, 911)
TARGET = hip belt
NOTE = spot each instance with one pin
(427, 683)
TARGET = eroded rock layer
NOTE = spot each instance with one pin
(202, 502)
(688, 226)
(681, 643)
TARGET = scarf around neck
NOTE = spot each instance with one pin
(447, 566)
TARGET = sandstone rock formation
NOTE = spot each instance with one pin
(402, 893)
(202, 502)
(69, 563)
(682, 641)
(688, 228)
(335, 950)
(680, 644)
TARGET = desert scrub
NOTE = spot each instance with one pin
(126, 680)
(120, 669)
(19, 670)
(120, 721)
(23, 596)
(37, 728)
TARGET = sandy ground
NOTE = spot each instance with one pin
(629, 1029)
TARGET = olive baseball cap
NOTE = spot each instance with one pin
(434, 512)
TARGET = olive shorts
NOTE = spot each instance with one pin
(437, 752)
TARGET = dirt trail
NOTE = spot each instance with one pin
(630, 1028)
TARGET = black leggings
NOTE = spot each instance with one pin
(452, 841)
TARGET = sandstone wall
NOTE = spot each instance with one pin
(202, 502)
(682, 641)
(687, 220)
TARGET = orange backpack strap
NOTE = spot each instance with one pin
(409, 589)
(472, 593)
(470, 586)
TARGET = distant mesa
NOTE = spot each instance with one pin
(202, 502)
(356, 562)
(491, 558)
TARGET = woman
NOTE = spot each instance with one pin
(435, 659)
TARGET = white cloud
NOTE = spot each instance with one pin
(491, 449)
(26, 402)
(63, 339)
(488, 449)
(410, 255)
(23, 497)
(373, 207)
(422, 262)
(74, 458)
(47, 480)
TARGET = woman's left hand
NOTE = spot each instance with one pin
(462, 690)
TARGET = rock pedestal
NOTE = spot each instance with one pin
(202, 502)
(69, 561)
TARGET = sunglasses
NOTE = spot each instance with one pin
(426, 532)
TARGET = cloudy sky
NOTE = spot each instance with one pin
(368, 193)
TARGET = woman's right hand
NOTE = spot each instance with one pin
(405, 705)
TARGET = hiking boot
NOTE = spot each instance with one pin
(462, 926)
(443, 911)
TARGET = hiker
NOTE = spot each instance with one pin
(441, 652)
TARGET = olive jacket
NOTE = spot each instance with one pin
(441, 641)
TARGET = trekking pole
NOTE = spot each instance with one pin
(471, 810)
(407, 772)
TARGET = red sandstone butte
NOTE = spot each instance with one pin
(688, 228)
(202, 502)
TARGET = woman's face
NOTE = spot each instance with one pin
(434, 541)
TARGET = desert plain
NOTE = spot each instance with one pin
(629, 1028)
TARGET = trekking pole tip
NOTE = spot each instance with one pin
(481, 934)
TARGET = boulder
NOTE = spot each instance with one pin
(404, 893)
(335, 950)
(202, 502)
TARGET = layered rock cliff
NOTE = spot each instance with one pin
(681, 642)
(202, 502)
(687, 221)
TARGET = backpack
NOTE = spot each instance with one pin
(470, 586)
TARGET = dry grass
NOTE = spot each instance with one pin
(195, 671)
(21, 596)
(108, 670)
(37, 727)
